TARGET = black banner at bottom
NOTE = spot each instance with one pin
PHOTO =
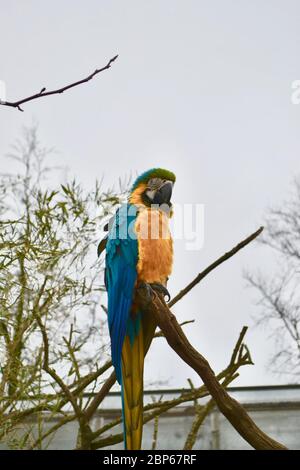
(135, 459)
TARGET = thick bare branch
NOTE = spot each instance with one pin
(100, 396)
(152, 410)
(231, 409)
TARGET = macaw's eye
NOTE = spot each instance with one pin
(154, 183)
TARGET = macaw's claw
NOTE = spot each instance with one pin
(161, 290)
(148, 294)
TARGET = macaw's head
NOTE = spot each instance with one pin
(153, 188)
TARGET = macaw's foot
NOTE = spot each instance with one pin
(161, 290)
(146, 291)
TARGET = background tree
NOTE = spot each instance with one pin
(47, 243)
(279, 295)
(54, 349)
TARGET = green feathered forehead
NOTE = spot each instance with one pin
(154, 173)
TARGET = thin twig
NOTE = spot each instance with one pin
(69, 395)
(214, 265)
(155, 432)
(238, 344)
(159, 334)
(43, 92)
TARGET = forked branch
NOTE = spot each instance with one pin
(230, 408)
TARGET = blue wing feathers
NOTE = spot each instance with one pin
(120, 277)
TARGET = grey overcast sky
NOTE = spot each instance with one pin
(200, 87)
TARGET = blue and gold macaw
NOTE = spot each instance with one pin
(139, 252)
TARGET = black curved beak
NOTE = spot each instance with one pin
(163, 194)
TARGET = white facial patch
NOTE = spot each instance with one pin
(150, 193)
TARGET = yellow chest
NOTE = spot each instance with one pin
(155, 246)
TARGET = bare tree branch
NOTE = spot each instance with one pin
(17, 104)
(214, 265)
(69, 395)
(231, 409)
(152, 410)
(100, 396)
(279, 295)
